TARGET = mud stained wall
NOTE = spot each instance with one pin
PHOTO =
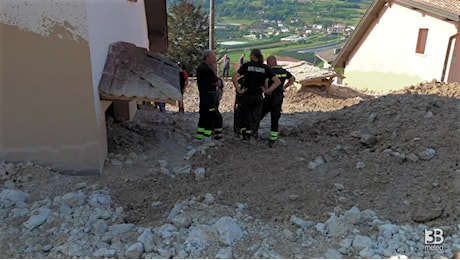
(47, 110)
(386, 57)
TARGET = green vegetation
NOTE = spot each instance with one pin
(325, 12)
(186, 43)
(320, 22)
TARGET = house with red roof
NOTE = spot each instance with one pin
(400, 43)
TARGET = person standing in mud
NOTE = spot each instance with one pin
(273, 101)
(242, 59)
(226, 69)
(183, 77)
(255, 73)
(210, 121)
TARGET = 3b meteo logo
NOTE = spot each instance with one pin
(434, 239)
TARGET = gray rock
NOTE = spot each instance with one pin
(266, 253)
(72, 250)
(422, 214)
(10, 168)
(199, 174)
(81, 185)
(225, 253)
(163, 163)
(352, 216)
(121, 228)
(182, 221)
(427, 154)
(361, 242)
(116, 162)
(332, 253)
(74, 199)
(99, 199)
(312, 165)
(360, 165)
(147, 240)
(367, 253)
(229, 230)
(412, 157)
(388, 230)
(156, 204)
(105, 253)
(10, 197)
(99, 227)
(135, 251)
(166, 230)
(19, 212)
(368, 215)
(178, 208)
(189, 154)
(345, 244)
(372, 117)
(185, 169)
(201, 236)
(133, 156)
(165, 171)
(339, 186)
(301, 222)
(39, 216)
(209, 199)
(47, 248)
(368, 139)
(335, 226)
(289, 235)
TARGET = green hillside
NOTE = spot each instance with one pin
(263, 24)
(324, 12)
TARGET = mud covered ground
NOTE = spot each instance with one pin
(396, 154)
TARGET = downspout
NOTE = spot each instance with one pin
(446, 60)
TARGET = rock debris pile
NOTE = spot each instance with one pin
(84, 223)
(351, 177)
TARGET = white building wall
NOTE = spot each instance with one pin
(52, 55)
(112, 21)
(390, 48)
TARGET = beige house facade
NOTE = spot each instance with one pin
(52, 54)
(400, 43)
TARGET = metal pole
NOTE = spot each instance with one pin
(211, 25)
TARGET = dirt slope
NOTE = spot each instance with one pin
(395, 154)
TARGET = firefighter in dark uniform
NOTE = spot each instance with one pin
(273, 101)
(255, 73)
(236, 109)
(210, 121)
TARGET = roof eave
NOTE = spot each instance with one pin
(371, 14)
(433, 10)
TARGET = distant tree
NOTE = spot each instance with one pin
(188, 32)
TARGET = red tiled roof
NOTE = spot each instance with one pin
(447, 5)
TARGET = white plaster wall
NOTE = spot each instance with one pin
(390, 46)
(112, 21)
